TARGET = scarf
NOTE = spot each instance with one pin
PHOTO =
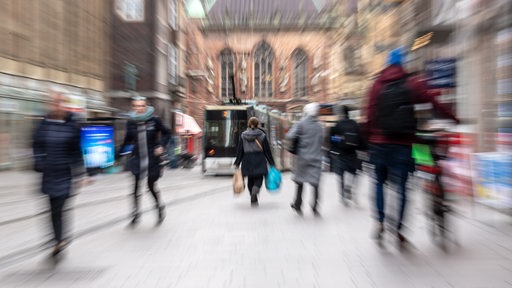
(141, 119)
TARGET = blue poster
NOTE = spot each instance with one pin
(493, 180)
(441, 73)
(98, 146)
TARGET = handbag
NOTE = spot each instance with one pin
(273, 180)
(292, 145)
(238, 182)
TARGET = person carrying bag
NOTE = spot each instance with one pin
(253, 152)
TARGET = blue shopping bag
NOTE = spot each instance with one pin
(273, 179)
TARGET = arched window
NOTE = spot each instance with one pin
(227, 70)
(263, 58)
(300, 61)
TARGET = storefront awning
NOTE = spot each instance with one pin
(186, 124)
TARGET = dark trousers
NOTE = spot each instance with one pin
(341, 164)
(254, 181)
(393, 162)
(298, 196)
(136, 193)
(57, 214)
(346, 188)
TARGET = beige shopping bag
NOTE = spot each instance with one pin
(238, 182)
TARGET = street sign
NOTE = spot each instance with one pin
(441, 73)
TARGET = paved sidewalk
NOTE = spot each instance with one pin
(220, 241)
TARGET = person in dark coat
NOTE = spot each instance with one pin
(148, 136)
(253, 152)
(308, 161)
(344, 157)
(57, 155)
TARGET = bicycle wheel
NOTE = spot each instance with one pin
(439, 212)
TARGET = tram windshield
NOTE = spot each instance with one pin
(222, 131)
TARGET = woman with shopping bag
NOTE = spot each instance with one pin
(253, 152)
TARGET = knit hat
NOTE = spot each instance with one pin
(395, 57)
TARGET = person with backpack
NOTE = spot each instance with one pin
(390, 130)
(345, 139)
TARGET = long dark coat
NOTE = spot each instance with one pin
(57, 153)
(253, 157)
(157, 134)
(345, 159)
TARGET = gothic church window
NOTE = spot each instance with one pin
(300, 60)
(263, 76)
(227, 71)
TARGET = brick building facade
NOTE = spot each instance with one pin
(146, 54)
(59, 45)
(282, 61)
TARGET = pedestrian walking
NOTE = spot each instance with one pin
(390, 130)
(308, 159)
(58, 156)
(253, 153)
(148, 136)
(345, 140)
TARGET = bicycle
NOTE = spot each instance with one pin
(431, 148)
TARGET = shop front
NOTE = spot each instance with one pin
(23, 103)
(187, 138)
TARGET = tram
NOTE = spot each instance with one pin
(223, 125)
(276, 124)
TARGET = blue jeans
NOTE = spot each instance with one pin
(393, 162)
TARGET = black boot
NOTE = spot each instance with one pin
(254, 196)
(135, 219)
(161, 214)
(296, 208)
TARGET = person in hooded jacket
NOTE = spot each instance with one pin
(58, 156)
(253, 152)
(391, 156)
(344, 157)
(308, 160)
(148, 135)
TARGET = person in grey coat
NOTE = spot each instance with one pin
(308, 160)
(253, 152)
(57, 155)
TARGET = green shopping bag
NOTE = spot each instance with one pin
(422, 155)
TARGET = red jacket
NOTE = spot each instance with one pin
(420, 95)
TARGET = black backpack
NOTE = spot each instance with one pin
(346, 135)
(395, 114)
